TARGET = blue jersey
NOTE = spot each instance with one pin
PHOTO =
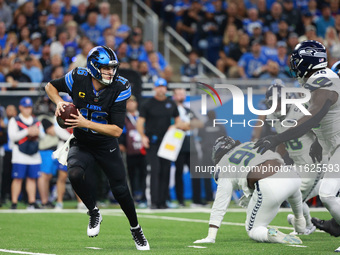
(250, 63)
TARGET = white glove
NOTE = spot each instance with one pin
(244, 201)
(205, 240)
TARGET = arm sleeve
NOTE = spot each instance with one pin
(118, 112)
(65, 83)
(222, 200)
(176, 112)
(302, 129)
(63, 134)
(46, 124)
(13, 131)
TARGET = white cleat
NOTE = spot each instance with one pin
(275, 236)
(205, 240)
(337, 250)
(140, 241)
(94, 223)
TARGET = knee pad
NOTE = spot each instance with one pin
(120, 191)
(75, 173)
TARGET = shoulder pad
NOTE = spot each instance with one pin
(125, 89)
(318, 82)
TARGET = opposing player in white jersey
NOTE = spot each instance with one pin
(297, 150)
(265, 182)
(309, 64)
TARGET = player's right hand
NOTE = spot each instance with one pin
(60, 107)
(145, 142)
(315, 151)
(205, 240)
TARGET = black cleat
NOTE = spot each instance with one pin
(329, 226)
(94, 223)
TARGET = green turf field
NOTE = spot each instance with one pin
(173, 232)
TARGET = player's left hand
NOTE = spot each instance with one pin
(266, 143)
(205, 240)
(78, 121)
(315, 151)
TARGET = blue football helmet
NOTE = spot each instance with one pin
(307, 56)
(222, 146)
(336, 67)
(99, 57)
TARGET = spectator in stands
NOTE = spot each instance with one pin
(90, 27)
(293, 40)
(103, 20)
(11, 112)
(252, 64)
(219, 13)
(3, 34)
(45, 58)
(306, 20)
(92, 7)
(230, 40)
(332, 43)
(51, 32)
(20, 21)
(67, 17)
(310, 34)
(262, 10)
(32, 71)
(193, 70)
(44, 5)
(155, 65)
(41, 26)
(157, 113)
(16, 75)
(74, 32)
(282, 58)
(25, 131)
(5, 14)
(24, 36)
(81, 58)
(291, 14)
(69, 8)
(135, 46)
(257, 33)
(56, 60)
(232, 17)
(334, 5)
(272, 20)
(168, 74)
(188, 25)
(228, 63)
(273, 71)
(131, 143)
(81, 15)
(35, 49)
(115, 22)
(325, 21)
(208, 37)
(283, 33)
(313, 8)
(29, 11)
(252, 21)
(56, 14)
(122, 52)
(269, 50)
(143, 69)
(58, 47)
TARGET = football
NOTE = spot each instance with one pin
(69, 109)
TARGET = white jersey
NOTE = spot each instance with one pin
(298, 148)
(328, 132)
(240, 160)
(15, 135)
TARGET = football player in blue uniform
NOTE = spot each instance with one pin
(100, 96)
(308, 62)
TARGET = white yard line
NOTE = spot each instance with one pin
(23, 252)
